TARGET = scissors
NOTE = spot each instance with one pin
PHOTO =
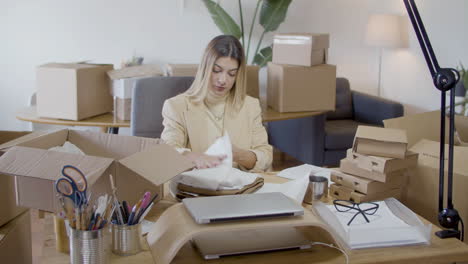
(73, 186)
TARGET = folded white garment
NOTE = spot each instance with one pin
(221, 177)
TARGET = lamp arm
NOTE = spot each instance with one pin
(444, 79)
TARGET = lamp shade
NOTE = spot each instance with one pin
(384, 31)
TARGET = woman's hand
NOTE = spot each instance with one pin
(243, 157)
(203, 161)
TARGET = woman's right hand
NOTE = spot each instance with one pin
(204, 161)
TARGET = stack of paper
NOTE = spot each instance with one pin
(392, 225)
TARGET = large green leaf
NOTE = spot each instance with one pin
(223, 20)
(263, 56)
(273, 13)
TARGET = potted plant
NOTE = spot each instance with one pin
(272, 14)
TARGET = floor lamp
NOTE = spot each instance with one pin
(383, 31)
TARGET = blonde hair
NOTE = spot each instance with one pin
(220, 46)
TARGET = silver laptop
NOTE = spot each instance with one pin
(243, 206)
(232, 243)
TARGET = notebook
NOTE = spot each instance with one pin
(243, 206)
(231, 243)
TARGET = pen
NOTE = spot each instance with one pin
(146, 209)
(145, 213)
(125, 210)
(132, 214)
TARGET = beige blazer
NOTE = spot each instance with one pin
(192, 126)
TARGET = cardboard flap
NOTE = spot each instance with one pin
(157, 164)
(382, 134)
(45, 164)
(429, 153)
(6, 136)
(34, 139)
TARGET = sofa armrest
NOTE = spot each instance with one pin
(373, 110)
(301, 138)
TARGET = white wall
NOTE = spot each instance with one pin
(36, 32)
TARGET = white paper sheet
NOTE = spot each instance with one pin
(294, 189)
(305, 170)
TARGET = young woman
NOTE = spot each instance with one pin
(217, 102)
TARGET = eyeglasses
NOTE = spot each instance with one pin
(363, 209)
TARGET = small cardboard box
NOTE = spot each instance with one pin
(364, 185)
(422, 190)
(252, 81)
(304, 49)
(15, 240)
(73, 91)
(122, 91)
(383, 142)
(298, 88)
(344, 193)
(382, 164)
(137, 165)
(9, 209)
(348, 166)
(146, 70)
(123, 108)
(181, 69)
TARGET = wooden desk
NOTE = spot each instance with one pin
(105, 121)
(440, 251)
(107, 124)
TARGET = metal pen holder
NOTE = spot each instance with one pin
(88, 247)
(126, 239)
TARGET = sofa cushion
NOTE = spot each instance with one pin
(339, 134)
(344, 105)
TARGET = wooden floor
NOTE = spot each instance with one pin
(280, 161)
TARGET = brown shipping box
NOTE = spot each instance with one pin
(344, 193)
(349, 167)
(304, 49)
(383, 142)
(15, 240)
(298, 88)
(382, 164)
(422, 191)
(364, 185)
(137, 165)
(181, 69)
(9, 209)
(73, 91)
(123, 108)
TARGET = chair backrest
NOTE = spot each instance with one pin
(148, 98)
(344, 104)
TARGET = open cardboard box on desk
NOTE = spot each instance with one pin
(422, 191)
(137, 165)
(9, 209)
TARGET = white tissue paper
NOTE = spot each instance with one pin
(305, 170)
(68, 148)
(222, 177)
(295, 189)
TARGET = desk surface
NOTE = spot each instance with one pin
(107, 120)
(440, 250)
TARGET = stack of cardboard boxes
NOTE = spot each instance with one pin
(375, 168)
(298, 77)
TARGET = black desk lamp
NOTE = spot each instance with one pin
(444, 80)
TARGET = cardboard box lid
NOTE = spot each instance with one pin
(382, 134)
(169, 163)
(317, 40)
(26, 138)
(6, 136)
(145, 70)
(429, 155)
(46, 164)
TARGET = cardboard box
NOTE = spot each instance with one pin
(181, 69)
(344, 193)
(298, 88)
(9, 209)
(252, 81)
(146, 70)
(382, 164)
(73, 91)
(422, 191)
(304, 49)
(364, 185)
(137, 165)
(384, 142)
(349, 167)
(15, 240)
